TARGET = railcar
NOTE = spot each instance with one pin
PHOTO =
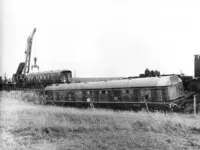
(154, 92)
(42, 79)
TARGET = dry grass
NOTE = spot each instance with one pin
(27, 126)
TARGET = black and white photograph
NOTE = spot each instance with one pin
(99, 75)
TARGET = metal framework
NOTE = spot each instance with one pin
(28, 52)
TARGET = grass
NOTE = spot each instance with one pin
(27, 126)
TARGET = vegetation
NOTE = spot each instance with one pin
(27, 126)
(151, 73)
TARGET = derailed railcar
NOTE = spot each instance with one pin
(155, 92)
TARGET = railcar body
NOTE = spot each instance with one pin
(157, 92)
(42, 79)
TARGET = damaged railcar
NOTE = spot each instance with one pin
(162, 93)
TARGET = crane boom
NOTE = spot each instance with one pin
(28, 52)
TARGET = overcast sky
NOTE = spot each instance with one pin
(103, 37)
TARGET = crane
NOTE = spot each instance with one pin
(28, 52)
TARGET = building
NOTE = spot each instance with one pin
(197, 66)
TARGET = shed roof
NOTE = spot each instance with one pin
(124, 83)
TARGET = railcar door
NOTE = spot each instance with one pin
(103, 95)
(79, 95)
(135, 96)
(127, 95)
(95, 95)
(115, 95)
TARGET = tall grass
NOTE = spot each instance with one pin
(95, 128)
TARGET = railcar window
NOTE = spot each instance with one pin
(126, 91)
(159, 95)
(62, 95)
(131, 91)
(96, 95)
(89, 92)
(103, 92)
(78, 95)
(117, 94)
(172, 92)
(71, 96)
(57, 96)
(123, 91)
(153, 95)
(136, 95)
(164, 95)
(148, 92)
(84, 95)
(49, 95)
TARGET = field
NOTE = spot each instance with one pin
(24, 125)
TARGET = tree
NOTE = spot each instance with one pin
(146, 72)
(157, 73)
(151, 73)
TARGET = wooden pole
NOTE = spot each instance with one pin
(195, 104)
(146, 104)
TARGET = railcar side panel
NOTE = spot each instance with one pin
(109, 95)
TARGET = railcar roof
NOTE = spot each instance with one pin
(47, 72)
(124, 83)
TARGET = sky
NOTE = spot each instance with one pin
(101, 38)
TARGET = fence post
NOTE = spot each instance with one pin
(195, 104)
(146, 104)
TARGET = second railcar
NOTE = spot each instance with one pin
(42, 79)
(157, 92)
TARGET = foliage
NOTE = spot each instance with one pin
(151, 73)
